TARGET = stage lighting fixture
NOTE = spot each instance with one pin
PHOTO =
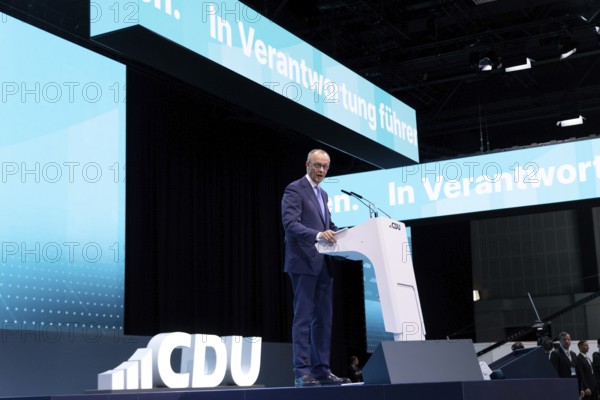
(589, 14)
(485, 61)
(568, 48)
(485, 64)
(519, 67)
(570, 122)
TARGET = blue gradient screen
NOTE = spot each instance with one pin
(62, 183)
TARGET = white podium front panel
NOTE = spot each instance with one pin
(383, 242)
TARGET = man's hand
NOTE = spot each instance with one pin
(328, 235)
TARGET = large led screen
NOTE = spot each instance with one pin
(547, 174)
(533, 176)
(236, 37)
(62, 179)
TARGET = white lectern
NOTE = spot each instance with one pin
(383, 242)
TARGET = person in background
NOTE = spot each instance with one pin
(517, 346)
(587, 381)
(547, 344)
(596, 362)
(354, 371)
(564, 360)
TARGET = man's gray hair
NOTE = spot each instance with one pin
(313, 151)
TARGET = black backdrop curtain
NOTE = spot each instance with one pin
(443, 269)
(204, 242)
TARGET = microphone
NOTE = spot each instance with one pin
(347, 192)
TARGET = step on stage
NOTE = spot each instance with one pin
(513, 389)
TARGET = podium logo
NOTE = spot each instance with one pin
(206, 361)
(395, 225)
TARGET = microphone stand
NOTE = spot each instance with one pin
(370, 205)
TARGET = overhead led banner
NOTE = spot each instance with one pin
(527, 177)
(240, 39)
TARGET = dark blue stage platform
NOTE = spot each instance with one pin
(516, 389)
(65, 367)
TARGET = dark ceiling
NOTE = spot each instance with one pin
(426, 53)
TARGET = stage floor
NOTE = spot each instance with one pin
(515, 389)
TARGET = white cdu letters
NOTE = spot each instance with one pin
(206, 361)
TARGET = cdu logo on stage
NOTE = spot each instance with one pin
(206, 361)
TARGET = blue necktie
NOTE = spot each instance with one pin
(321, 204)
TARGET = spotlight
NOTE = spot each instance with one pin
(486, 61)
(589, 14)
(571, 122)
(485, 64)
(519, 67)
(568, 48)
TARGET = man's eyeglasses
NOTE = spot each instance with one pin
(318, 166)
